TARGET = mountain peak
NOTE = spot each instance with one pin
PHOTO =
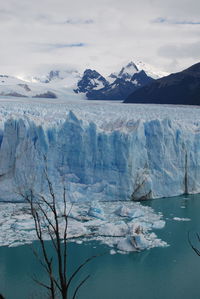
(128, 71)
(150, 70)
(131, 64)
(91, 80)
(91, 73)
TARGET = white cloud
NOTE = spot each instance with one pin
(98, 34)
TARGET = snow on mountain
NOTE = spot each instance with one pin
(59, 78)
(115, 87)
(150, 70)
(128, 71)
(12, 86)
(16, 87)
(125, 73)
(120, 88)
(91, 80)
(118, 85)
(132, 68)
(103, 151)
(91, 84)
(9, 80)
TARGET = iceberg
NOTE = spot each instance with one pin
(96, 210)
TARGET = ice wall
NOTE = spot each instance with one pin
(146, 159)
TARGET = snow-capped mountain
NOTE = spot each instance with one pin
(117, 86)
(181, 88)
(120, 88)
(91, 80)
(12, 86)
(58, 85)
(59, 78)
(150, 70)
(132, 68)
(128, 71)
(90, 85)
(125, 73)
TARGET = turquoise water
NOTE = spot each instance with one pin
(168, 273)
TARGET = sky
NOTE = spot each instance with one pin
(40, 35)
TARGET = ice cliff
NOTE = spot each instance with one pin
(99, 150)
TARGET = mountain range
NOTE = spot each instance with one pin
(14, 87)
(181, 88)
(89, 85)
(116, 86)
(133, 83)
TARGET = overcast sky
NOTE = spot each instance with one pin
(101, 34)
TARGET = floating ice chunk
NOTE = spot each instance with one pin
(74, 215)
(17, 225)
(24, 225)
(124, 211)
(135, 227)
(158, 224)
(146, 225)
(79, 241)
(16, 244)
(181, 219)
(156, 242)
(76, 229)
(126, 245)
(137, 213)
(96, 211)
(140, 242)
(113, 229)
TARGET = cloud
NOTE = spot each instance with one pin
(51, 47)
(175, 22)
(97, 34)
(183, 50)
(75, 21)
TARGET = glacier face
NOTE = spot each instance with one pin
(105, 151)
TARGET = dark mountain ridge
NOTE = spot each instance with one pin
(181, 88)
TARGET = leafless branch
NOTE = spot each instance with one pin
(46, 221)
(80, 285)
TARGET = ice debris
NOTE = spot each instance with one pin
(181, 219)
(96, 211)
(98, 221)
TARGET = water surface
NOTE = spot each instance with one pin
(168, 273)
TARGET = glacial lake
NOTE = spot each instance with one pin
(172, 272)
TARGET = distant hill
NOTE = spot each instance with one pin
(181, 88)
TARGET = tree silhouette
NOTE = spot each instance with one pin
(51, 221)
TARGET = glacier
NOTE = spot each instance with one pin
(100, 151)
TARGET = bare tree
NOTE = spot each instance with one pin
(48, 220)
(195, 249)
